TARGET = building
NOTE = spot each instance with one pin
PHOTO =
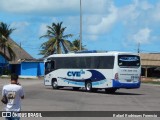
(24, 64)
(150, 64)
(2, 63)
(31, 68)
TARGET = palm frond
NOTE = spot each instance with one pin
(67, 36)
(5, 32)
(55, 32)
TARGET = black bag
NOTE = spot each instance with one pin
(4, 99)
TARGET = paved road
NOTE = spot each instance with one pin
(41, 98)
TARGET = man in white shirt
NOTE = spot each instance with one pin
(14, 93)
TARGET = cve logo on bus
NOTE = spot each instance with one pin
(75, 73)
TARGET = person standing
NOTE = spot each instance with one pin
(14, 93)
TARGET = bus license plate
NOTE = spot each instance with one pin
(129, 80)
(134, 78)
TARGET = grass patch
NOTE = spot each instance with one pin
(152, 82)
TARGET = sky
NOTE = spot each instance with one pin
(110, 25)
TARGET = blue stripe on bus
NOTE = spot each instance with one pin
(117, 84)
(98, 82)
(82, 83)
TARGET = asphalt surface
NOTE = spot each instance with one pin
(43, 98)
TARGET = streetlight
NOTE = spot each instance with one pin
(80, 26)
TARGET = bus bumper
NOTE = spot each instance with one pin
(117, 84)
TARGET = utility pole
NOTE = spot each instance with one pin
(80, 26)
(20, 45)
(138, 50)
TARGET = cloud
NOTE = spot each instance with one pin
(132, 16)
(20, 27)
(38, 6)
(140, 20)
(103, 23)
(98, 7)
(23, 33)
(43, 29)
(142, 36)
(135, 14)
(92, 37)
(145, 5)
(128, 12)
(53, 7)
(99, 16)
(156, 13)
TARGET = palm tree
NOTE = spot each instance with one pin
(76, 45)
(57, 40)
(5, 32)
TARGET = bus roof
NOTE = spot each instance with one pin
(112, 53)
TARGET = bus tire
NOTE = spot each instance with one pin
(110, 90)
(88, 86)
(54, 84)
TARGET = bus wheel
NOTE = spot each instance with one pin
(54, 84)
(110, 90)
(88, 86)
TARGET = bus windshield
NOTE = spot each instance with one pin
(128, 61)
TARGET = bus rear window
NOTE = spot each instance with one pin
(128, 61)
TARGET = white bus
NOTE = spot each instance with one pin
(93, 71)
